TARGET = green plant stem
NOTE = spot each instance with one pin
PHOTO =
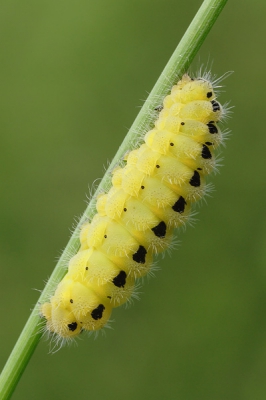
(177, 65)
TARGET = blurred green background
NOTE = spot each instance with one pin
(73, 75)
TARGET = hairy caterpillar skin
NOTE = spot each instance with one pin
(150, 196)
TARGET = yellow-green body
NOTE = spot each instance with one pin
(151, 195)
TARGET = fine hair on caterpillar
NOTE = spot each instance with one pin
(153, 192)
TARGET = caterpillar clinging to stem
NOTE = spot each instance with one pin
(152, 194)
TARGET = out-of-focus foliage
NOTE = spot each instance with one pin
(72, 77)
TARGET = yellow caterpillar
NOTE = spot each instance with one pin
(150, 196)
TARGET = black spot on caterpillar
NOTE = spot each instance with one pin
(72, 327)
(120, 279)
(205, 153)
(140, 254)
(150, 196)
(195, 180)
(179, 205)
(97, 313)
(160, 229)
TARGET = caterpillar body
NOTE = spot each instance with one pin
(151, 196)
